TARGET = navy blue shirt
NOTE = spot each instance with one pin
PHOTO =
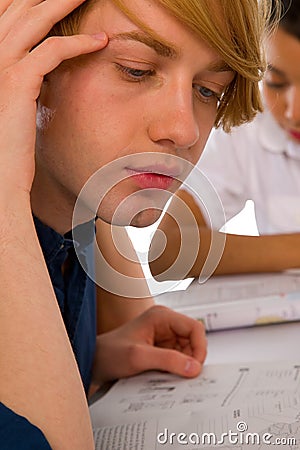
(76, 295)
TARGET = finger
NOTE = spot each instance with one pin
(54, 50)
(192, 331)
(198, 341)
(13, 12)
(168, 322)
(33, 26)
(28, 73)
(154, 358)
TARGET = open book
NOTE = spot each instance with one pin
(234, 301)
(228, 406)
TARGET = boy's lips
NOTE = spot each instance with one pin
(150, 180)
(153, 178)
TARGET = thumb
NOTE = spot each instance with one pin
(172, 361)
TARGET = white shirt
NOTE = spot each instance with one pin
(255, 161)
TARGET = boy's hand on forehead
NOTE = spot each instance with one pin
(23, 26)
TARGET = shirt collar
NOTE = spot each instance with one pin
(52, 242)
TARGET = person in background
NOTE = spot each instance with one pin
(112, 100)
(259, 160)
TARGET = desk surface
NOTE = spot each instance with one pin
(260, 343)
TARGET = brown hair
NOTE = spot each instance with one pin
(235, 28)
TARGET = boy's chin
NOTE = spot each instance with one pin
(142, 219)
(137, 211)
(146, 218)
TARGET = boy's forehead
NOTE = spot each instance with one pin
(152, 15)
(142, 15)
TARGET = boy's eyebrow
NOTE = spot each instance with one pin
(219, 66)
(165, 49)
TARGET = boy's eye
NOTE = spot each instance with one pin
(140, 75)
(135, 74)
(206, 94)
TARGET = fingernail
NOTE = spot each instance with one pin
(100, 36)
(192, 366)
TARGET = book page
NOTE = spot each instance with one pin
(221, 385)
(157, 410)
(229, 427)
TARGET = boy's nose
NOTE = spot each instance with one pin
(175, 124)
